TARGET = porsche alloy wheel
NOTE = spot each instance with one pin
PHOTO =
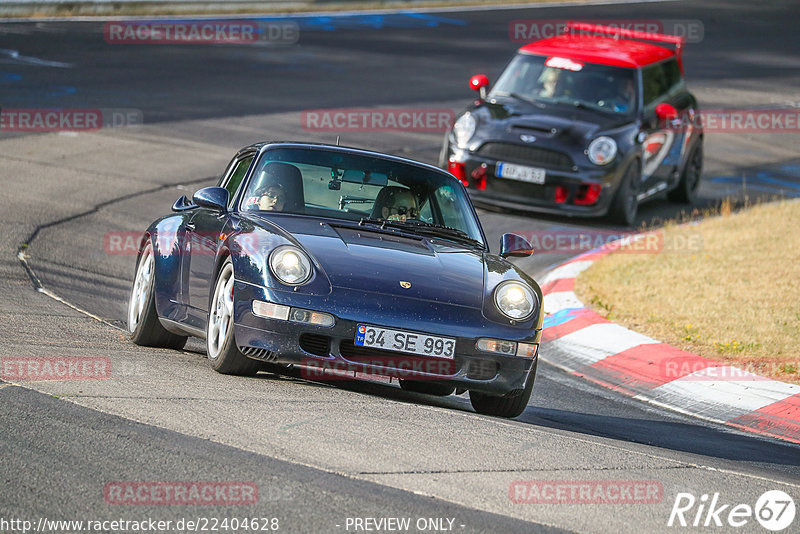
(143, 324)
(223, 353)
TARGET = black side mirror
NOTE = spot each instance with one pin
(183, 204)
(213, 198)
(514, 245)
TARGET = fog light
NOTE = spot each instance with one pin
(311, 317)
(459, 170)
(587, 194)
(497, 345)
(270, 310)
(527, 350)
(561, 194)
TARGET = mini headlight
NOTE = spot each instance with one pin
(602, 150)
(463, 129)
(515, 300)
(290, 265)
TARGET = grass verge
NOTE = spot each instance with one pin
(727, 288)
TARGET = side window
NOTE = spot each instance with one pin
(672, 73)
(235, 176)
(660, 80)
(449, 208)
(654, 82)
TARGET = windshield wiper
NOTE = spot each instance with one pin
(427, 229)
(516, 96)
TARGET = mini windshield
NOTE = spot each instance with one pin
(557, 80)
(360, 188)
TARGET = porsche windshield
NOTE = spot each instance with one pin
(557, 80)
(361, 188)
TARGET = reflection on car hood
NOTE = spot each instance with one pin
(367, 258)
(551, 121)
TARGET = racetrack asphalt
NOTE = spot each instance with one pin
(320, 454)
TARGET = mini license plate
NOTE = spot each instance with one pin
(402, 341)
(533, 175)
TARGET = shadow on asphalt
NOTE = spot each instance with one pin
(700, 438)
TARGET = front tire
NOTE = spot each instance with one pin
(690, 178)
(223, 353)
(625, 204)
(504, 406)
(143, 325)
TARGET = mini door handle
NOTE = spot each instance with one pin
(190, 227)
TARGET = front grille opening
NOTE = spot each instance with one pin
(400, 361)
(315, 344)
(482, 369)
(258, 354)
(542, 157)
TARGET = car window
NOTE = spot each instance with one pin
(351, 186)
(660, 79)
(236, 174)
(560, 80)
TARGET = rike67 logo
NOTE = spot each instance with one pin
(774, 510)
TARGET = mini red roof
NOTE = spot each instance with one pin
(622, 50)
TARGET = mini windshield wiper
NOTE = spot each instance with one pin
(427, 229)
(516, 96)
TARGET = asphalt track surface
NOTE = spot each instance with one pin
(319, 453)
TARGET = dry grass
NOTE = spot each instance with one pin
(733, 297)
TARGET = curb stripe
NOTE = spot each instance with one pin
(583, 342)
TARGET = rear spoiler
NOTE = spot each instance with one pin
(614, 32)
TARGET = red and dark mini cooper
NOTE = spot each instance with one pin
(589, 123)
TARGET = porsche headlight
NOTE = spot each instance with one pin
(463, 129)
(515, 300)
(290, 265)
(602, 150)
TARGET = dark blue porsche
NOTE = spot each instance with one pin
(339, 259)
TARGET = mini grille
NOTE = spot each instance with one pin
(549, 159)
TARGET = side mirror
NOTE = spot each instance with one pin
(213, 198)
(514, 245)
(666, 112)
(479, 82)
(183, 204)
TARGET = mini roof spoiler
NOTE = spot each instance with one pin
(612, 31)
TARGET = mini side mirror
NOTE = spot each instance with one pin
(666, 112)
(479, 82)
(514, 245)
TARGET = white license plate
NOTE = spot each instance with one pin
(534, 175)
(402, 341)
